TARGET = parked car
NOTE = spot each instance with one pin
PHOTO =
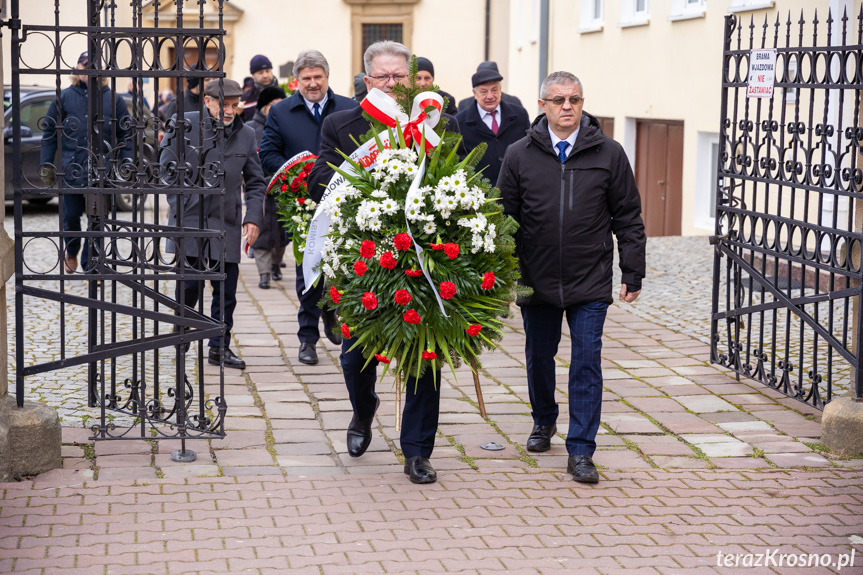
(35, 101)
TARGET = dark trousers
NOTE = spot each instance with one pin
(309, 314)
(542, 327)
(190, 287)
(73, 210)
(421, 401)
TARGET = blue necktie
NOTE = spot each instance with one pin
(317, 112)
(562, 146)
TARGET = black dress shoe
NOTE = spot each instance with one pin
(283, 265)
(359, 434)
(540, 437)
(420, 470)
(265, 281)
(307, 354)
(277, 273)
(582, 469)
(228, 357)
(331, 323)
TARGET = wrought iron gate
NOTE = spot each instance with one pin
(786, 289)
(120, 316)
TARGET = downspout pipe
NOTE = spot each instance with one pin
(543, 40)
(487, 48)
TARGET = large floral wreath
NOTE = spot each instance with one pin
(420, 274)
(291, 189)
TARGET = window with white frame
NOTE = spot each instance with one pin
(744, 5)
(591, 16)
(634, 12)
(534, 22)
(686, 9)
(706, 179)
(791, 93)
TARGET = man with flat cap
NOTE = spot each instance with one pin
(242, 172)
(425, 79)
(492, 121)
(262, 76)
(508, 98)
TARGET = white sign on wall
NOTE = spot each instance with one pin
(762, 73)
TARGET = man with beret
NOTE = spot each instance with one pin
(241, 171)
(508, 98)
(492, 121)
(425, 79)
(262, 76)
(270, 247)
(294, 126)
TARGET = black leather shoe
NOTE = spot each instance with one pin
(308, 355)
(331, 323)
(540, 437)
(582, 469)
(283, 265)
(420, 470)
(359, 434)
(265, 281)
(277, 273)
(230, 360)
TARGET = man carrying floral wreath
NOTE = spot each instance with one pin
(570, 187)
(386, 64)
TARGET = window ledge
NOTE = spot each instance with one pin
(690, 16)
(635, 22)
(590, 29)
(765, 4)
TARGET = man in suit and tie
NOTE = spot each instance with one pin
(492, 121)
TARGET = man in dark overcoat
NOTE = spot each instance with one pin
(492, 121)
(294, 126)
(242, 173)
(572, 190)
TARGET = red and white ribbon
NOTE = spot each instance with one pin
(420, 123)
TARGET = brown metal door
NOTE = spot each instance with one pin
(659, 174)
(607, 125)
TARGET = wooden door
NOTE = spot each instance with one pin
(659, 174)
(607, 125)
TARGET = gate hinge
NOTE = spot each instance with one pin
(716, 240)
(11, 23)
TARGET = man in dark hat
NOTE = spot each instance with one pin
(360, 90)
(425, 78)
(242, 174)
(492, 121)
(508, 98)
(262, 76)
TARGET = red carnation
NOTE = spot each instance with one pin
(301, 201)
(346, 331)
(473, 329)
(451, 250)
(308, 167)
(284, 187)
(370, 301)
(488, 280)
(367, 249)
(382, 358)
(402, 297)
(438, 247)
(388, 261)
(402, 241)
(335, 294)
(360, 267)
(412, 317)
(447, 290)
(413, 273)
(429, 355)
(295, 186)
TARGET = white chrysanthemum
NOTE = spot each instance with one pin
(369, 209)
(328, 271)
(429, 228)
(389, 206)
(459, 180)
(375, 225)
(379, 194)
(413, 213)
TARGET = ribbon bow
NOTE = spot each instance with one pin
(384, 109)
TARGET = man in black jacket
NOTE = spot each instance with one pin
(492, 121)
(386, 64)
(570, 187)
(294, 126)
(262, 78)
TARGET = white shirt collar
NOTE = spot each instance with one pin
(311, 105)
(486, 118)
(570, 140)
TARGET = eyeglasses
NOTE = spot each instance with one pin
(394, 77)
(573, 100)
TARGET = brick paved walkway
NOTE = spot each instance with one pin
(693, 463)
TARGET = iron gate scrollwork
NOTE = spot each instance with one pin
(120, 318)
(786, 289)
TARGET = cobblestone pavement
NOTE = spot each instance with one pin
(693, 463)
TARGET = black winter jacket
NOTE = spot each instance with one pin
(568, 213)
